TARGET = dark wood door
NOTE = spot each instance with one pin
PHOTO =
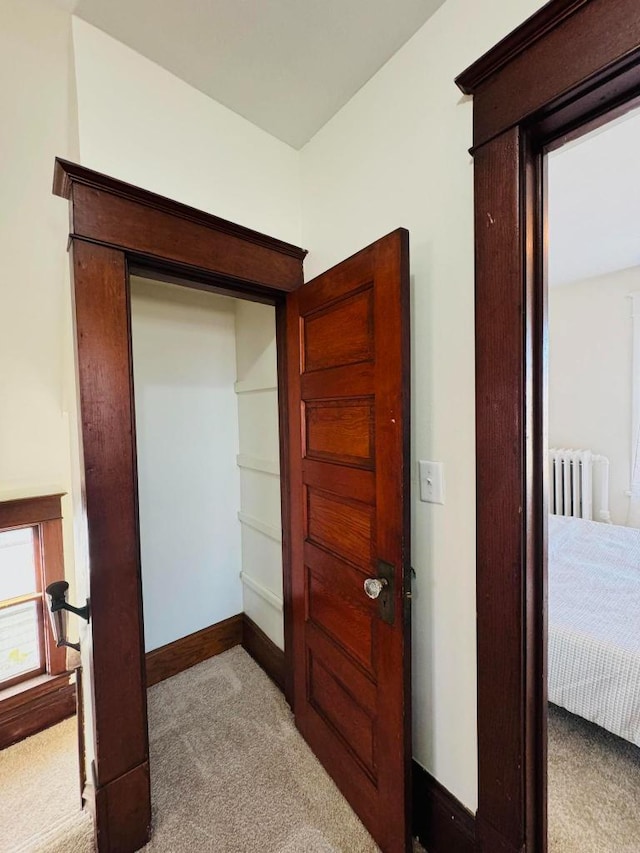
(348, 364)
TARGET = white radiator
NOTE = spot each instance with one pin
(579, 484)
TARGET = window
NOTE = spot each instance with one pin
(30, 559)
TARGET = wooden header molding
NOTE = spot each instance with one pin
(572, 59)
(515, 43)
(571, 66)
(119, 215)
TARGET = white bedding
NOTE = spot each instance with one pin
(594, 623)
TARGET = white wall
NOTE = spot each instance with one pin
(184, 368)
(141, 124)
(590, 358)
(396, 155)
(38, 123)
(259, 467)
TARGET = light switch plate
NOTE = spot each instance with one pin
(431, 482)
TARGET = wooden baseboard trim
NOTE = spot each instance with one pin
(440, 821)
(26, 715)
(188, 651)
(263, 650)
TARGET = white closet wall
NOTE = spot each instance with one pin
(184, 365)
(258, 463)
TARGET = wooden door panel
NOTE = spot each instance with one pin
(322, 348)
(345, 528)
(340, 480)
(343, 711)
(340, 431)
(333, 604)
(348, 362)
(356, 381)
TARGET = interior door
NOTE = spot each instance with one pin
(348, 365)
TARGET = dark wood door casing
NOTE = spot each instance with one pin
(348, 334)
(114, 225)
(572, 64)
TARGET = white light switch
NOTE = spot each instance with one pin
(431, 482)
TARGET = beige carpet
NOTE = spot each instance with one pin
(230, 773)
(40, 795)
(594, 788)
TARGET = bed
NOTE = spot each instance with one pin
(594, 623)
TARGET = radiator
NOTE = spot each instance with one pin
(579, 484)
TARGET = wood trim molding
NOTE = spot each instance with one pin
(122, 810)
(440, 822)
(571, 65)
(25, 511)
(264, 651)
(516, 42)
(30, 711)
(585, 74)
(116, 228)
(67, 175)
(186, 652)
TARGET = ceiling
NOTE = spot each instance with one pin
(594, 203)
(286, 65)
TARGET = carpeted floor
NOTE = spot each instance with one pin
(230, 773)
(594, 788)
(40, 795)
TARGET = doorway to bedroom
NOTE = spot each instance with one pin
(593, 674)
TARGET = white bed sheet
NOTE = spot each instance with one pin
(594, 623)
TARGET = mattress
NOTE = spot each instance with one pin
(594, 623)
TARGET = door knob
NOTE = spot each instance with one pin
(374, 586)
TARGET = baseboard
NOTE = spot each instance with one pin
(188, 651)
(24, 715)
(440, 821)
(263, 650)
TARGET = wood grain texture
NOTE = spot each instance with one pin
(335, 604)
(52, 567)
(519, 40)
(122, 812)
(124, 217)
(26, 714)
(134, 227)
(264, 651)
(175, 657)
(283, 357)
(440, 821)
(26, 511)
(68, 174)
(500, 485)
(348, 403)
(571, 66)
(566, 59)
(323, 348)
(340, 431)
(342, 526)
(104, 368)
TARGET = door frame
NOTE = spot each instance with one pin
(116, 230)
(568, 68)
